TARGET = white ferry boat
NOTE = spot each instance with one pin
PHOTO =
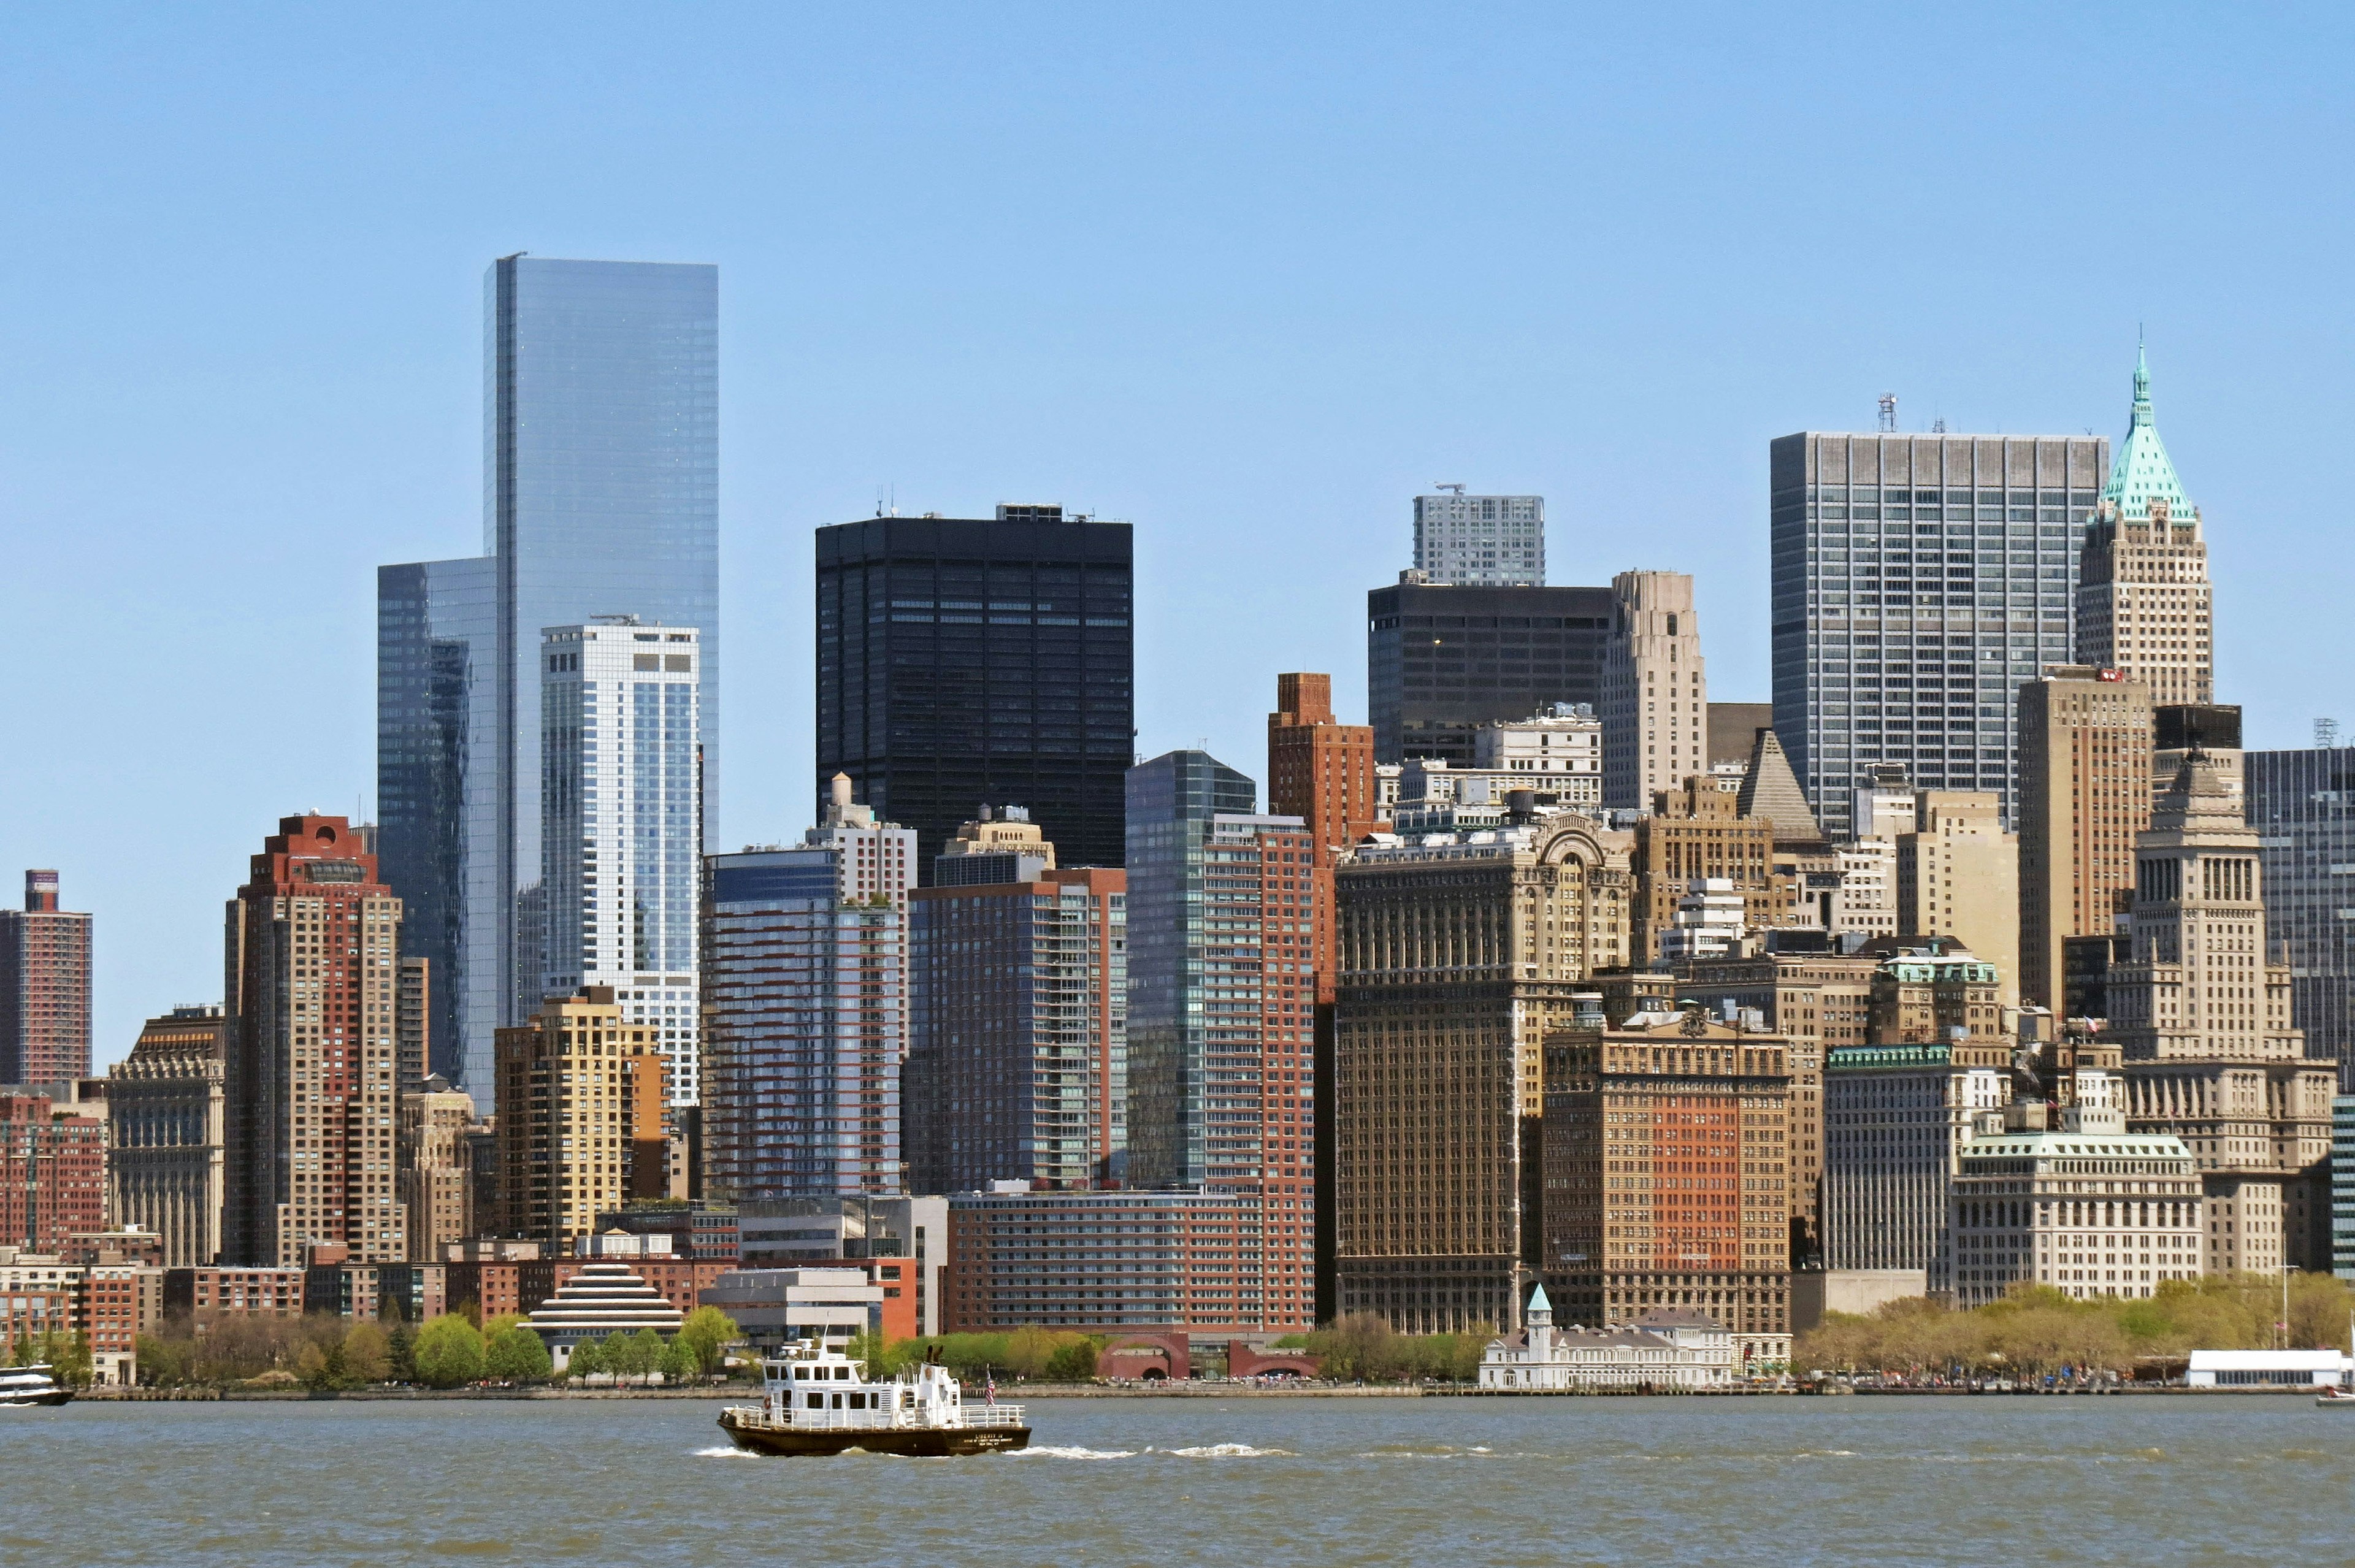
(819, 1401)
(31, 1385)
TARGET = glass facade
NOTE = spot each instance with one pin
(971, 661)
(601, 498)
(2302, 805)
(1443, 662)
(1917, 581)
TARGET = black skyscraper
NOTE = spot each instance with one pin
(965, 661)
(1441, 661)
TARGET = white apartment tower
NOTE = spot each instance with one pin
(1655, 690)
(1480, 542)
(2143, 598)
(622, 826)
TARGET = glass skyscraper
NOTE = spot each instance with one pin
(1918, 580)
(2302, 803)
(601, 460)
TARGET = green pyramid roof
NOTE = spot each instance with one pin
(2143, 473)
(1538, 1302)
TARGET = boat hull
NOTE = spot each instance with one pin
(17, 1401)
(919, 1442)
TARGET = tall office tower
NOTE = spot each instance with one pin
(435, 1166)
(2203, 1015)
(312, 942)
(2301, 805)
(1005, 848)
(580, 1117)
(1698, 831)
(1322, 772)
(165, 1111)
(1897, 1118)
(1441, 661)
(1222, 1002)
(805, 1021)
(1675, 1094)
(621, 824)
(1017, 1024)
(600, 483)
(2143, 600)
(2084, 793)
(414, 1008)
(1486, 541)
(1655, 689)
(1457, 955)
(1959, 876)
(963, 660)
(44, 988)
(1918, 579)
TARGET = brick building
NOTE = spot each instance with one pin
(52, 1172)
(580, 1122)
(44, 988)
(204, 1295)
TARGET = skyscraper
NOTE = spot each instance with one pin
(622, 808)
(1442, 661)
(2301, 805)
(580, 1119)
(310, 1097)
(1221, 986)
(965, 661)
(2084, 793)
(1918, 580)
(1959, 876)
(2143, 598)
(1655, 690)
(1487, 541)
(1322, 772)
(44, 987)
(165, 1110)
(2201, 1014)
(601, 498)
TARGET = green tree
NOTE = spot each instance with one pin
(636, 1355)
(449, 1351)
(400, 1354)
(588, 1359)
(678, 1363)
(1028, 1351)
(708, 1332)
(367, 1354)
(498, 1324)
(71, 1359)
(1358, 1345)
(517, 1355)
(163, 1360)
(1074, 1361)
(320, 1365)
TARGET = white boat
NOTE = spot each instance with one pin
(2337, 1395)
(819, 1401)
(31, 1385)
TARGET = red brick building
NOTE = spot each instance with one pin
(52, 1173)
(203, 1295)
(44, 988)
(1321, 770)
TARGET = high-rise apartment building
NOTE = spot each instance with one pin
(1959, 876)
(435, 1167)
(1457, 955)
(1655, 689)
(52, 1173)
(2143, 598)
(601, 496)
(44, 988)
(580, 1117)
(312, 949)
(1442, 661)
(413, 1011)
(167, 1115)
(1017, 1025)
(2084, 793)
(970, 660)
(2213, 1054)
(1322, 772)
(1918, 579)
(622, 814)
(1488, 541)
(2302, 806)
(1647, 1124)
(805, 1012)
(1222, 1092)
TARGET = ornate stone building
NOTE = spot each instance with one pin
(165, 1108)
(2143, 598)
(2201, 1015)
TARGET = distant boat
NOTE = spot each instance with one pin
(31, 1385)
(2338, 1396)
(819, 1401)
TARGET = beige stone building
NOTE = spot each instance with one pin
(2143, 598)
(165, 1111)
(1457, 955)
(2202, 1016)
(2084, 793)
(1655, 689)
(1959, 876)
(580, 1116)
(436, 1170)
(1697, 831)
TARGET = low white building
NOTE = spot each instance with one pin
(2270, 1368)
(1709, 922)
(1663, 1351)
(774, 1307)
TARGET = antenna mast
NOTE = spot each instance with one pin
(1889, 413)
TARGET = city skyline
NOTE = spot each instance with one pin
(270, 380)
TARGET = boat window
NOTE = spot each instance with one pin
(817, 1402)
(838, 1401)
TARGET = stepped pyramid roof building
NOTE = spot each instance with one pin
(1770, 790)
(2143, 598)
(603, 1299)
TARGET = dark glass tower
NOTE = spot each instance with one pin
(971, 661)
(1441, 661)
(2302, 805)
(600, 484)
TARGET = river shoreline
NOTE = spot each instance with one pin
(1016, 1394)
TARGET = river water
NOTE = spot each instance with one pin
(2148, 1481)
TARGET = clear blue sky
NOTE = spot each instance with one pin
(1249, 276)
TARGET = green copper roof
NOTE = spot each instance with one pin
(1538, 1302)
(2143, 473)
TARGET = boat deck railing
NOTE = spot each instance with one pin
(970, 1415)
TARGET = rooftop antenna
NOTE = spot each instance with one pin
(1938, 425)
(1889, 412)
(879, 500)
(2326, 734)
(1457, 488)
